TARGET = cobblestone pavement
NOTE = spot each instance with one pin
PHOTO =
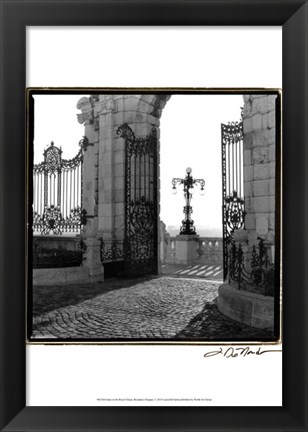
(158, 308)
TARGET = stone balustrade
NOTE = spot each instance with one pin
(207, 250)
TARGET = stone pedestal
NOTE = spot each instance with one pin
(246, 307)
(186, 248)
(92, 260)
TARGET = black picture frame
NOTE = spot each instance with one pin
(15, 16)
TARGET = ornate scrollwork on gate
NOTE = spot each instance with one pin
(232, 184)
(141, 231)
(140, 244)
(233, 131)
(52, 221)
(52, 158)
(113, 253)
(57, 192)
(234, 213)
(138, 146)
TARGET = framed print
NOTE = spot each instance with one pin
(48, 384)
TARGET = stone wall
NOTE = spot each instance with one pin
(54, 242)
(259, 166)
(61, 276)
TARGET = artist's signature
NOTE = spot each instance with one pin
(233, 352)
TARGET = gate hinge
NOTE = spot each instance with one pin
(84, 143)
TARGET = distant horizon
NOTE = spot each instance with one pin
(201, 230)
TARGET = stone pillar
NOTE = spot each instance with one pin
(259, 167)
(106, 178)
(90, 191)
(108, 111)
(186, 248)
(104, 167)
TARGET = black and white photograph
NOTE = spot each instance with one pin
(154, 216)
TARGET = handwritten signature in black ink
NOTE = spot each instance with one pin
(233, 352)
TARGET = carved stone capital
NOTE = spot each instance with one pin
(159, 104)
(86, 117)
(105, 105)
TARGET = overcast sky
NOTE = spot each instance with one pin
(190, 137)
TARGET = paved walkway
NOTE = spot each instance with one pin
(203, 271)
(147, 309)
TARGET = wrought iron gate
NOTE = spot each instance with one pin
(141, 212)
(233, 211)
(57, 193)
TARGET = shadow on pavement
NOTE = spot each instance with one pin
(48, 298)
(211, 325)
